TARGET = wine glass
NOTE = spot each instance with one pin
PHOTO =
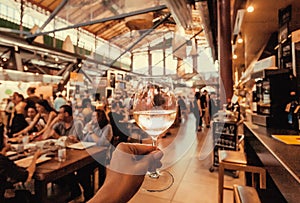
(154, 110)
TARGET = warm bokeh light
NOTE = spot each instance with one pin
(250, 9)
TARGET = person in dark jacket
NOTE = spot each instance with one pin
(195, 108)
(10, 173)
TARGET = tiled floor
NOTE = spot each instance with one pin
(187, 157)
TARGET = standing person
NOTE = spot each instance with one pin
(8, 110)
(204, 106)
(17, 121)
(182, 109)
(59, 101)
(86, 99)
(213, 105)
(195, 108)
(32, 99)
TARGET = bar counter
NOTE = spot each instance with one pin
(281, 161)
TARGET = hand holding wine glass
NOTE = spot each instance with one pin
(154, 110)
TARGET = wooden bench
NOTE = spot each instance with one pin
(245, 194)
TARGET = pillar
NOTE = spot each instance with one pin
(224, 51)
(149, 62)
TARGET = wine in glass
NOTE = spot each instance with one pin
(154, 110)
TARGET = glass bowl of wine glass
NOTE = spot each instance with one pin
(154, 110)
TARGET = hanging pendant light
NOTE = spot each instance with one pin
(138, 22)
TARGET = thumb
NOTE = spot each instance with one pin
(149, 162)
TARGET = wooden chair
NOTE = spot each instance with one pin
(235, 160)
(245, 194)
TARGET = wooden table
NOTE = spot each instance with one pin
(281, 160)
(52, 170)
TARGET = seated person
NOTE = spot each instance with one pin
(73, 129)
(31, 113)
(37, 126)
(10, 173)
(46, 113)
(98, 129)
(120, 130)
(67, 125)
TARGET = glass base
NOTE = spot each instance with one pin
(158, 182)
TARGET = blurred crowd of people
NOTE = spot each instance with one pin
(103, 123)
(42, 119)
(204, 106)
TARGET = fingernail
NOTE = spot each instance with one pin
(158, 155)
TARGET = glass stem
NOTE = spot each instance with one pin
(153, 173)
(154, 142)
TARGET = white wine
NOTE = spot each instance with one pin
(154, 122)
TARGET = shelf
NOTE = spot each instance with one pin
(225, 134)
(224, 146)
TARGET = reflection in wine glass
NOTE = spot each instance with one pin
(154, 110)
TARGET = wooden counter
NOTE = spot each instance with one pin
(281, 161)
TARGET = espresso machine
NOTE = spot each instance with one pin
(270, 97)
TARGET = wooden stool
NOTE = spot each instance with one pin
(245, 194)
(234, 160)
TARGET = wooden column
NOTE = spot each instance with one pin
(149, 62)
(164, 56)
(21, 17)
(131, 62)
(224, 51)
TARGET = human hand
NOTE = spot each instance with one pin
(16, 134)
(135, 159)
(125, 174)
(72, 139)
(6, 148)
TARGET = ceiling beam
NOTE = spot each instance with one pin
(121, 16)
(195, 35)
(142, 37)
(52, 15)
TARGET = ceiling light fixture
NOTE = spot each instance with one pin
(234, 56)
(250, 9)
(240, 39)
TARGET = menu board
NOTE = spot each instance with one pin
(285, 43)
